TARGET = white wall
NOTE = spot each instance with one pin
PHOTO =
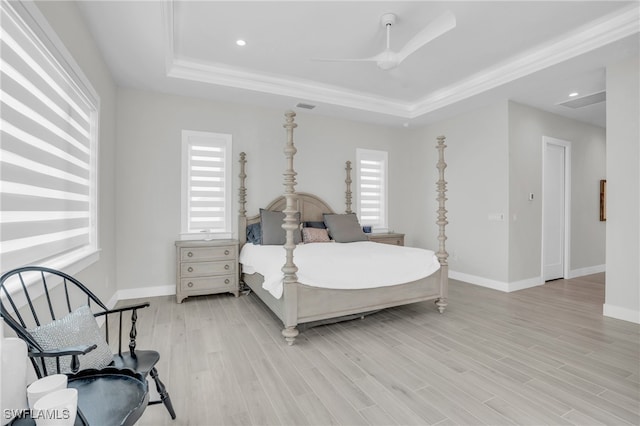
(66, 20)
(148, 170)
(495, 161)
(477, 176)
(622, 298)
(527, 126)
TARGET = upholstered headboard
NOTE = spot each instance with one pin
(310, 207)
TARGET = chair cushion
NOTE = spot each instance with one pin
(78, 328)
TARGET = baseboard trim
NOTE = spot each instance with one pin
(142, 292)
(483, 282)
(111, 303)
(618, 312)
(494, 284)
(528, 283)
(575, 273)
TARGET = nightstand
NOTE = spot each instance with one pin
(206, 267)
(387, 238)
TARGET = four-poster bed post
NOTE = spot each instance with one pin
(290, 225)
(442, 223)
(242, 192)
(347, 193)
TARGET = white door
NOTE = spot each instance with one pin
(553, 239)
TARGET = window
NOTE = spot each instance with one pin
(48, 148)
(206, 185)
(371, 187)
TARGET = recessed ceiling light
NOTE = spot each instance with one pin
(573, 94)
(241, 42)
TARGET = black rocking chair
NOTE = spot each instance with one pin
(23, 296)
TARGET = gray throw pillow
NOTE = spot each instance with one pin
(344, 228)
(78, 328)
(272, 232)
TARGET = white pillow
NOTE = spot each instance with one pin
(78, 328)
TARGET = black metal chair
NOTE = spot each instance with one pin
(21, 299)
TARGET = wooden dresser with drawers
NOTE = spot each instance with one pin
(206, 267)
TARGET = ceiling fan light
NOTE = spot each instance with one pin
(387, 60)
(387, 65)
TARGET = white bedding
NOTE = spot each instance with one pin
(340, 265)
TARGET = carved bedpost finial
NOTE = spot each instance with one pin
(442, 222)
(243, 188)
(289, 151)
(348, 191)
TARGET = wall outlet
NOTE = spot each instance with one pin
(496, 217)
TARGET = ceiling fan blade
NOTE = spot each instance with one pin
(437, 27)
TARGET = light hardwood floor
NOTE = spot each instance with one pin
(541, 356)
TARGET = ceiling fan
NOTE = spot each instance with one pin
(388, 59)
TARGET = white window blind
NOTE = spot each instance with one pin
(47, 151)
(371, 186)
(206, 189)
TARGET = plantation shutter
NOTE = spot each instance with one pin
(372, 188)
(46, 152)
(207, 182)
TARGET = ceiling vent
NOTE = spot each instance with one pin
(584, 101)
(305, 106)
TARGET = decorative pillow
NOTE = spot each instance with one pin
(78, 328)
(320, 225)
(254, 233)
(344, 228)
(272, 232)
(315, 235)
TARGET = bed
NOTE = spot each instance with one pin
(301, 303)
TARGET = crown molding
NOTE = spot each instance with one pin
(224, 75)
(608, 29)
(593, 35)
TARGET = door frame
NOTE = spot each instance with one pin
(547, 140)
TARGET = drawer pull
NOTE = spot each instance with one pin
(226, 281)
(190, 254)
(226, 252)
(190, 269)
(190, 284)
(226, 266)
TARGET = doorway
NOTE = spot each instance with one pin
(556, 218)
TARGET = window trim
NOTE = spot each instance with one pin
(227, 233)
(38, 29)
(375, 155)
